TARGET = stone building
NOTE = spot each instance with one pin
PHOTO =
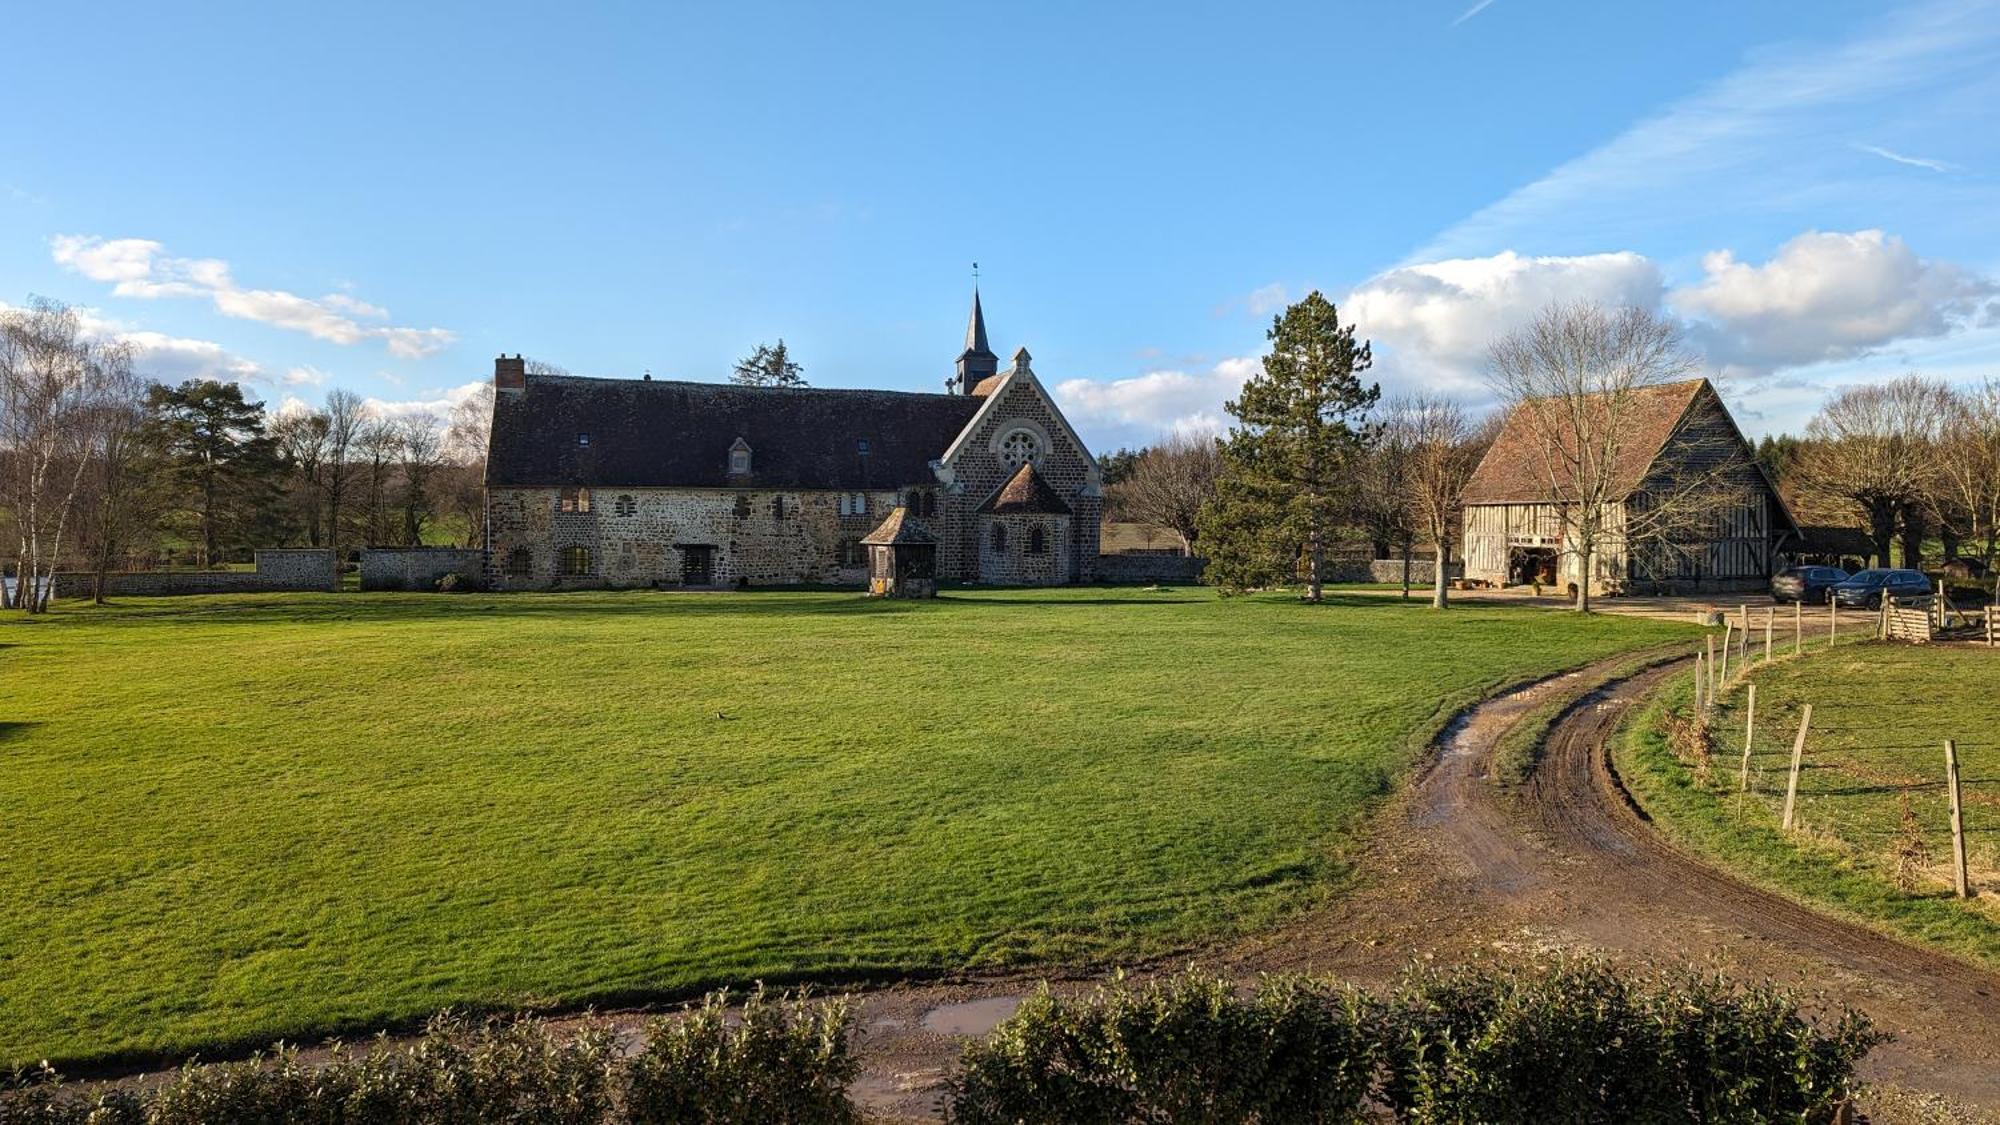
(631, 482)
(1689, 508)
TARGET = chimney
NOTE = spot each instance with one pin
(510, 373)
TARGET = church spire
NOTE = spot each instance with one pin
(977, 361)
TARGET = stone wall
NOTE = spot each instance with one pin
(420, 568)
(1013, 562)
(278, 570)
(642, 536)
(1149, 568)
(977, 470)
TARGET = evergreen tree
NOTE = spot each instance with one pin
(769, 367)
(1288, 464)
(211, 445)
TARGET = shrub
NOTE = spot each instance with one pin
(1574, 1039)
(1184, 1050)
(783, 1062)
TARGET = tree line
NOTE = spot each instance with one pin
(1904, 461)
(102, 469)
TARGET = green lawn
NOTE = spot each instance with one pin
(229, 819)
(1881, 714)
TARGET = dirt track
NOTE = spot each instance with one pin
(1463, 866)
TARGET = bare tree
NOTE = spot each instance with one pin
(116, 481)
(1968, 469)
(1382, 498)
(1442, 448)
(301, 440)
(57, 391)
(1167, 485)
(1868, 449)
(420, 451)
(380, 443)
(346, 417)
(464, 470)
(1574, 378)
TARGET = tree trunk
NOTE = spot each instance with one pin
(1406, 569)
(1583, 559)
(1439, 596)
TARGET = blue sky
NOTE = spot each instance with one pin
(384, 197)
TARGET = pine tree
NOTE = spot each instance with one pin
(769, 367)
(1288, 463)
(213, 447)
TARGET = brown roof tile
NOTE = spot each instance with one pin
(1028, 494)
(1513, 470)
(898, 530)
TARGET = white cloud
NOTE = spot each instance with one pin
(1268, 300)
(139, 267)
(1828, 296)
(1478, 7)
(1139, 409)
(1431, 324)
(167, 359)
(1912, 161)
(1748, 139)
(441, 404)
(304, 376)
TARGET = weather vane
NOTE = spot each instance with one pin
(975, 273)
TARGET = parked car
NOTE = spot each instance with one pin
(1807, 584)
(1865, 590)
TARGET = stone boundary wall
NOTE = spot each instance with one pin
(279, 570)
(1149, 568)
(420, 568)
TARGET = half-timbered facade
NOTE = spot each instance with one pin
(1688, 507)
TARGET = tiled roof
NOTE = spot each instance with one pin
(1513, 470)
(665, 434)
(1028, 494)
(898, 530)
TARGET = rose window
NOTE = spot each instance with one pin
(1018, 448)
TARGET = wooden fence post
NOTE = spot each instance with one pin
(1722, 673)
(1743, 640)
(1749, 735)
(1798, 626)
(1700, 673)
(1960, 883)
(1832, 620)
(1709, 670)
(1770, 623)
(1798, 756)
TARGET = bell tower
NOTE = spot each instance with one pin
(977, 361)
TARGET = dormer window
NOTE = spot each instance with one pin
(861, 446)
(739, 458)
(583, 439)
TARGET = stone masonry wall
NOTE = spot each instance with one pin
(1015, 565)
(636, 536)
(420, 568)
(278, 571)
(978, 472)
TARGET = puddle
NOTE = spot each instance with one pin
(971, 1018)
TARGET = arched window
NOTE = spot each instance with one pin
(575, 562)
(520, 564)
(1038, 542)
(999, 537)
(626, 506)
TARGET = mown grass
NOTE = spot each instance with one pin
(229, 819)
(1881, 714)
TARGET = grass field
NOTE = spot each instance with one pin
(230, 819)
(1881, 714)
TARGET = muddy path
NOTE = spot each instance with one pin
(1461, 866)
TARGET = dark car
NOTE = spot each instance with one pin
(1865, 590)
(1807, 584)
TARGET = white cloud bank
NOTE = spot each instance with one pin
(1822, 296)
(139, 267)
(167, 359)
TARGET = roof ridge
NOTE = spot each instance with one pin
(747, 387)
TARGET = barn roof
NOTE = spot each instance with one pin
(1513, 472)
(1026, 493)
(571, 430)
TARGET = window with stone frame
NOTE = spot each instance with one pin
(742, 505)
(626, 506)
(852, 553)
(778, 508)
(1019, 448)
(520, 563)
(575, 562)
(1038, 541)
(999, 537)
(573, 500)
